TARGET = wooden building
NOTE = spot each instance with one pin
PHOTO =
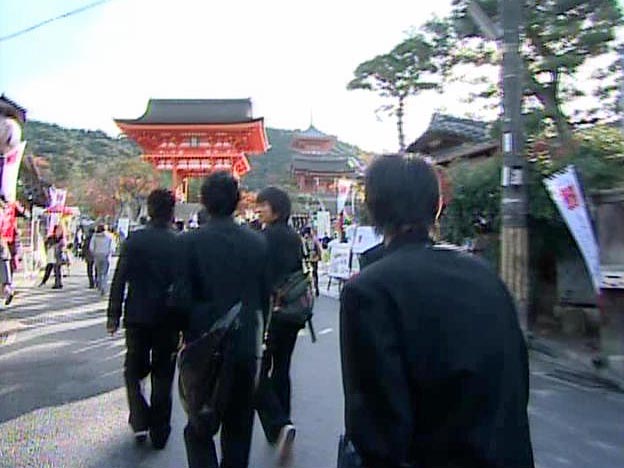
(448, 139)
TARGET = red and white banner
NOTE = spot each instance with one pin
(9, 168)
(57, 198)
(566, 192)
(344, 187)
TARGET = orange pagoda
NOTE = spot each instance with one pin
(195, 137)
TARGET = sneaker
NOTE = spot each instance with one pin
(57, 286)
(284, 443)
(140, 437)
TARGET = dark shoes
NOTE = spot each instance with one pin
(140, 437)
(9, 298)
(159, 439)
(57, 286)
(284, 444)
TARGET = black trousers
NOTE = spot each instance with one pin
(236, 427)
(274, 389)
(315, 279)
(151, 351)
(90, 272)
(56, 267)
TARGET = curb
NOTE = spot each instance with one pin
(583, 365)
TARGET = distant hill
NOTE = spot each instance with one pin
(68, 152)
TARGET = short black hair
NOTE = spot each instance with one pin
(220, 194)
(402, 191)
(160, 205)
(278, 200)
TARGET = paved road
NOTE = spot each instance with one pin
(62, 402)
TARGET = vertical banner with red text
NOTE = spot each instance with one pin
(566, 192)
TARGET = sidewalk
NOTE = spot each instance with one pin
(576, 358)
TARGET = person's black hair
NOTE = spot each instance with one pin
(278, 200)
(220, 194)
(160, 205)
(179, 225)
(402, 193)
(143, 220)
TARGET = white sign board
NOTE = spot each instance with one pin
(339, 261)
(565, 190)
(123, 227)
(365, 238)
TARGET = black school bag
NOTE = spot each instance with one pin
(293, 299)
(205, 373)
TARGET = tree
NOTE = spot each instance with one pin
(398, 75)
(559, 37)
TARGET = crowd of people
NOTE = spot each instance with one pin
(435, 369)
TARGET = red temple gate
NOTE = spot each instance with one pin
(195, 137)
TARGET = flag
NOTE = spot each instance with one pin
(565, 190)
(9, 168)
(344, 187)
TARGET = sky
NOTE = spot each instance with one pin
(292, 58)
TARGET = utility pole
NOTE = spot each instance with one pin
(514, 201)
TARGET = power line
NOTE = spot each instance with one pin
(51, 20)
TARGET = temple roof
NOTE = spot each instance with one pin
(313, 133)
(12, 109)
(194, 111)
(322, 164)
(453, 128)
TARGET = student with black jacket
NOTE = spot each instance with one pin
(285, 256)
(146, 269)
(435, 367)
(220, 265)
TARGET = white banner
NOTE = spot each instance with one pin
(344, 186)
(565, 190)
(9, 168)
(323, 224)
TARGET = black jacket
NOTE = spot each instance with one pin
(285, 251)
(146, 265)
(219, 265)
(435, 367)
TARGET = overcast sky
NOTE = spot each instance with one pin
(293, 58)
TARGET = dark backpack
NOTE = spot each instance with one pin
(205, 377)
(293, 299)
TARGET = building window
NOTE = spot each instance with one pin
(194, 142)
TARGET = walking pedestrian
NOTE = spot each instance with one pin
(312, 252)
(88, 257)
(102, 246)
(434, 364)
(285, 256)
(54, 244)
(221, 265)
(146, 268)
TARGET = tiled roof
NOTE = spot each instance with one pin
(468, 130)
(313, 132)
(12, 109)
(197, 111)
(322, 164)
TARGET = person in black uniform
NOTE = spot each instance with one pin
(435, 367)
(285, 256)
(146, 267)
(220, 265)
